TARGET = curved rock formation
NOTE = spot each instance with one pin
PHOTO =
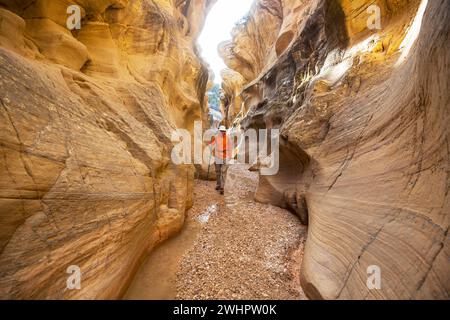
(253, 37)
(364, 154)
(232, 85)
(85, 172)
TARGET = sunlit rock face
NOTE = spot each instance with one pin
(86, 177)
(252, 39)
(364, 156)
(232, 85)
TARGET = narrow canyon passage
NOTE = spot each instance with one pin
(230, 248)
(104, 118)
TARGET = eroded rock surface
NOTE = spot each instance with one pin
(232, 85)
(86, 116)
(364, 156)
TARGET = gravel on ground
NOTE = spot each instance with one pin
(245, 250)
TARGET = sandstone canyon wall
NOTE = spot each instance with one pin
(364, 118)
(232, 84)
(86, 116)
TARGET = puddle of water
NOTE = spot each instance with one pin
(204, 217)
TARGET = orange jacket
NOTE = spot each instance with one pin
(222, 146)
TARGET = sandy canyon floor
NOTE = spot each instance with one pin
(230, 248)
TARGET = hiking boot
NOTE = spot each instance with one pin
(221, 191)
(217, 188)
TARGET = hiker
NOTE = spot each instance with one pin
(222, 153)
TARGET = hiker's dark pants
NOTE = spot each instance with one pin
(221, 174)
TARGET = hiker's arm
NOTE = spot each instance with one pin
(213, 139)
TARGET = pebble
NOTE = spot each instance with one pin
(243, 251)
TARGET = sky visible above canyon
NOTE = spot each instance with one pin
(219, 23)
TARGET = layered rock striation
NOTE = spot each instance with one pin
(86, 177)
(364, 156)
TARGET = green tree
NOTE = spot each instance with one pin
(214, 97)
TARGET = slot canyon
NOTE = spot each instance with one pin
(87, 176)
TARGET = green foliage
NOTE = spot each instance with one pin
(214, 97)
(242, 21)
